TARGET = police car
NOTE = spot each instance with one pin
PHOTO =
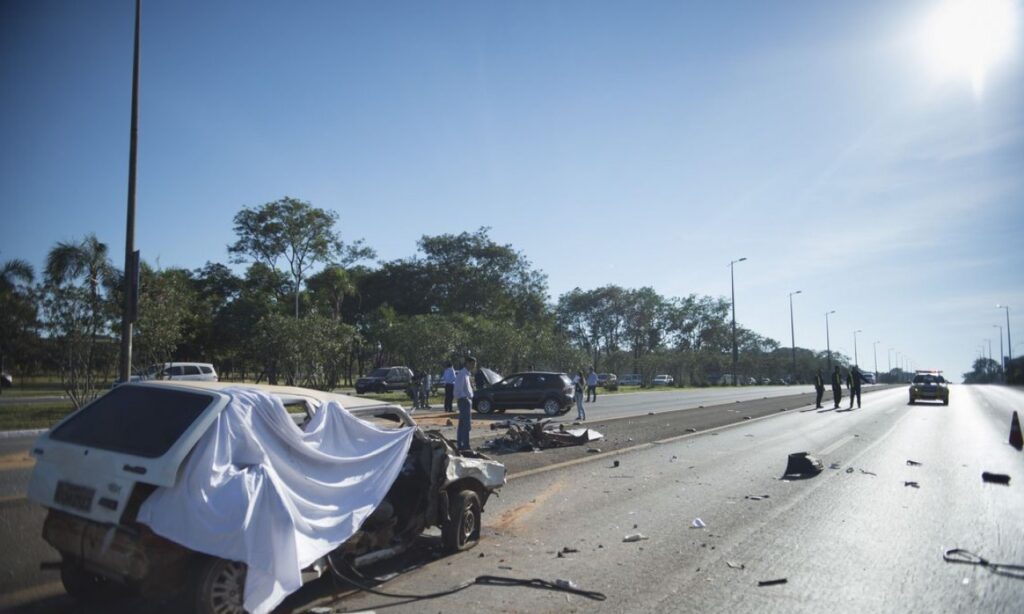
(929, 385)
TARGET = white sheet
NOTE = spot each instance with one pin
(259, 490)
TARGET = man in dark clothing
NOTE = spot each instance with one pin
(819, 388)
(837, 386)
(853, 381)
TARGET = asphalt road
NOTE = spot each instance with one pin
(841, 540)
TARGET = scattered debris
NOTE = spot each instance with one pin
(449, 422)
(803, 465)
(524, 434)
(747, 418)
(565, 583)
(697, 524)
(913, 463)
(772, 582)
(505, 567)
(735, 565)
(849, 470)
(634, 537)
(756, 497)
(614, 464)
(995, 478)
(481, 555)
(866, 472)
(692, 430)
(650, 413)
(834, 466)
(912, 484)
(593, 450)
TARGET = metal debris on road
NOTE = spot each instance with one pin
(802, 465)
(614, 464)
(912, 484)
(866, 472)
(524, 434)
(697, 524)
(756, 497)
(735, 565)
(849, 470)
(995, 478)
(692, 430)
(772, 582)
(593, 450)
(834, 466)
(913, 463)
(634, 537)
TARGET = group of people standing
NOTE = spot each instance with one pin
(854, 378)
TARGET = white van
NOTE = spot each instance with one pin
(186, 371)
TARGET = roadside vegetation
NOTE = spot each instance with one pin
(307, 308)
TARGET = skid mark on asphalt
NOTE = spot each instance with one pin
(18, 460)
(509, 519)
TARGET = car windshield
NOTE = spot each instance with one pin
(928, 379)
(136, 420)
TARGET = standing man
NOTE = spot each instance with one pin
(837, 386)
(427, 381)
(592, 385)
(853, 381)
(819, 388)
(449, 385)
(464, 398)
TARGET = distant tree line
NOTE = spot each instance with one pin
(310, 309)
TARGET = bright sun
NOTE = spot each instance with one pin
(965, 38)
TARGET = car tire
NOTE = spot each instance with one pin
(462, 529)
(484, 406)
(86, 587)
(552, 407)
(219, 587)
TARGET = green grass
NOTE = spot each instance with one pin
(33, 416)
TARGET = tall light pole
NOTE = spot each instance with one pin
(855, 360)
(1009, 343)
(735, 352)
(130, 259)
(899, 367)
(874, 350)
(792, 334)
(828, 343)
(1002, 365)
(889, 372)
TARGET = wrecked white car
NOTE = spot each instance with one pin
(215, 488)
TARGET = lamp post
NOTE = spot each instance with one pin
(131, 264)
(828, 343)
(1002, 365)
(735, 352)
(792, 333)
(855, 359)
(1009, 343)
(874, 351)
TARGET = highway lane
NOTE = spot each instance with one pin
(853, 538)
(587, 504)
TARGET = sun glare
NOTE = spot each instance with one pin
(965, 38)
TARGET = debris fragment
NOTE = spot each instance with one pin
(634, 537)
(735, 565)
(505, 567)
(614, 464)
(772, 582)
(913, 463)
(692, 430)
(524, 434)
(912, 484)
(448, 422)
(756, 497)
(746, 417)
(650, 413)
(995, 478)
(849, 470)
(593, 450)
(803, 465)
(697, 524)
(834, 466)
(866, 472)
(566, 583)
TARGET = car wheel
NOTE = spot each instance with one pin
(484, 406)
(86, 587)
(552, 407)
(462, 529)
(219, 587)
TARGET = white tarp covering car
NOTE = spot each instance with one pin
(217, 487)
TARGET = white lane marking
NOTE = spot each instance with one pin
(835, 446)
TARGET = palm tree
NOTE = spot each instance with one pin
(89, 259)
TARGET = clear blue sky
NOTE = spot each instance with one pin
(634, 143)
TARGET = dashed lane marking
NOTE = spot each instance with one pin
(835, 446)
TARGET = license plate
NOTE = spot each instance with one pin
(73, 495)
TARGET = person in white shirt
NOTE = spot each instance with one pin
(449, 385)
(464, 399)
(592, 386)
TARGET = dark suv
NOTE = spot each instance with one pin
(551, 392)
(384, 379)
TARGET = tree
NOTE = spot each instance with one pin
(165, 298)
(17, 309)
(78, 314)
(294, 230)
(329, 288)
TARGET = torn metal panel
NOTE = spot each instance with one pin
(525, 434)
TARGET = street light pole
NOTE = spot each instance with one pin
(130, 261)
(856, 361)
(792, 334)
(735, 351)
(1009, 343)
(1002, 365)
(828, 343)
(874, 350)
